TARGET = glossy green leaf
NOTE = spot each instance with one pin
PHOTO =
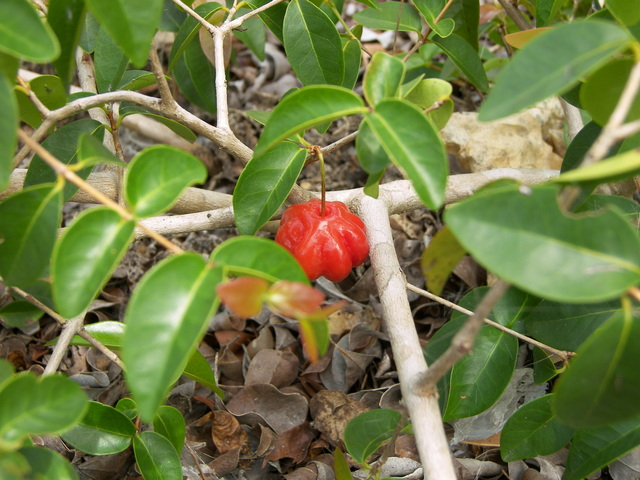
(546, 11)
(430, 10)
(91, 151)
(593, 448)
(372, 185)
(172, 17)
(253, 35)
(24, 35)
(533, 431)
(28, 113)
(199, 370)
(625, 11)
(368, 431)
(466, 15)
(391, 15)
(190, 28)
(62, 144)
(352, 61)
(340, 466)
(465, 58)
(533, 74)
(20, 314)
(383, 78)
(479, 379)
(580, 146)
(50, 91)
(602, 384)
(132, 23)
(440, 258)
(196, 77)
(103, 430)
(312, 44)
(86, 255)
(89, 33)
(47, 464)
(110, 63)
(132, 109)
(371, 155)
(156, 457)
(157, 176)
(544, 369)
(433, 94)
(244, 253)
(566, 326)
(137, 79)
(531, 244)
(128, 407)
(169, 423)
(8, 129)
(29, 223)
(601, 92)
(108, 332)
(264, 185)
(621, 166)
(66, 18)
(6, 372)
(414, 145)
(304, 109)
(273, 17)
(30, 405)
(626, 206)
(170, 308)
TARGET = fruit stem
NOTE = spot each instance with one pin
(317, 151)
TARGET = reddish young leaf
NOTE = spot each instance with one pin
(293, 299)
(244, 295)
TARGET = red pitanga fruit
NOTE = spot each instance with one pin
(329, 245)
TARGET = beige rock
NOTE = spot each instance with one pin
(531, 139)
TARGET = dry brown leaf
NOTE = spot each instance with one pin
(227, 434)
(332, 411)
(279, 368)
(226, 463)
(264, 403)
(294, 444)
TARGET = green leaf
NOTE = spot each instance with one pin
(8, 130)
(172, 17)
(626, 206)
(128, 407)
(624, 11)
(190, 28)
(62, 144)
(49, 90)
(85, 256)
(264, 185)
(532, 245)
(305, 108)
(156, 457)
(383, 78)
(29, 223)
(602, 384)
(137, 79)
(621, 166)
(414, 145)
(108, 332)
(368, 431)
(196, 77)
(580, 146)
(340, 466)
(24, 35)
(47, 464)
(440, 258)
(593, 448)
(371, 155)
(102, 431)
(273, 17)
(33, 406)
(567, 326)
(601, 92)
(546, 11)
(312, 44)
(352, 61)
(533, 74)
(157, 176)
(199, 370)
(66, 19)
(169, 423)
(244, 253)
(432, 92)
(465, 58)
(131, 109)
(479, 379)
(466, 15)
(132, 23)
(391, 15)
(430, 11)
(171, 309)
(91, 151)
(253, 35)
(544, 369)
(110, 63)
(533, 430)
(20, 314)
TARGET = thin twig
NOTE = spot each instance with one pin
(560, 353)
(44, 111)
(168, 102)
(240, 20)
(515, 15)
(222, 106)
(62, 321)
(210, 28)
(61, 169)
(339, 143)
(69, 330)
(462, 342)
